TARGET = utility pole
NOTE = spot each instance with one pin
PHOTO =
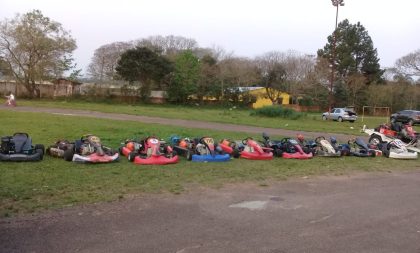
(335, 3)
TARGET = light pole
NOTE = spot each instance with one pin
(336, 3)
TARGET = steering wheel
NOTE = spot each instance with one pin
(284, 140)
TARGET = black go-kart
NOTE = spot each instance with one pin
(19, 148)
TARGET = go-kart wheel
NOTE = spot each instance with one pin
(375, 139)
(174, 153)
(385, 150)
(69, 153)
(324, 117)
(39, 148)
(340, 119)
(345, 152)
(236, 153)
(278, 152)
(189, 155)
(48, 150)
(120, 150)
(131, 156)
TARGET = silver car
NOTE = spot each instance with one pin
(340, 114)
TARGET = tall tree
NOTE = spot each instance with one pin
(105, 60)
(354, 51)
(185, 77)
(35, 48)
(145, 66)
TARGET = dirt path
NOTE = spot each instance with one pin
(176, 122)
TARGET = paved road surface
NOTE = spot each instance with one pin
(369, 212)
(176, 122)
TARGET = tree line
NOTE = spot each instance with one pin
(34, 48)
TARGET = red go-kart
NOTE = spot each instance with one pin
(149, 151)
(250, 149)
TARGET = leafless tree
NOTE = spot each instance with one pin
(105, 59)
(168, 45)
(296, 67)
(409, 65)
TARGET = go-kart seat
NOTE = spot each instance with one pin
(396, 126)
(22, 142)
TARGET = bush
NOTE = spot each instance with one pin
(277, 111)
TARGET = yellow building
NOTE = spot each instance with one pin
(262, 99)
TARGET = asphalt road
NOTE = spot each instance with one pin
(368, 212)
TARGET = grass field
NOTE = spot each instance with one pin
(54, 183)
(310, 122)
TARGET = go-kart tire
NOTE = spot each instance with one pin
(345, 152)
(189, 155)
(236, 153)
(47, 151)
(40, 149)
(351, 121)
(386, 153)
(278, 152)
(120, 150)
(340, 119)
(324, 117)
(375, 139)
(68, 154)
(131, 156)
(174, 153)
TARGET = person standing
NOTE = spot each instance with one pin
(11, 100)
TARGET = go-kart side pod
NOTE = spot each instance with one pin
(297, 155)
(158, 160)
(257, 156)
(95, 158)
(210, 158)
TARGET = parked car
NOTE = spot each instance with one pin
(411, 117)
(340, 114)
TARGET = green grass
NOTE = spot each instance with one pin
(310, 122)
(54, 183)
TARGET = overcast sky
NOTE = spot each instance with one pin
(248, 28)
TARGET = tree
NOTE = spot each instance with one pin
(35, 48)
(169, 45)
(105, 60)
(272, 74)
(185, 77)
(145, 66)
(409, 65)
(208, 83)
(354, 52)
(286, 71)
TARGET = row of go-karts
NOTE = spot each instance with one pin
(152, 150)
(396, 140)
